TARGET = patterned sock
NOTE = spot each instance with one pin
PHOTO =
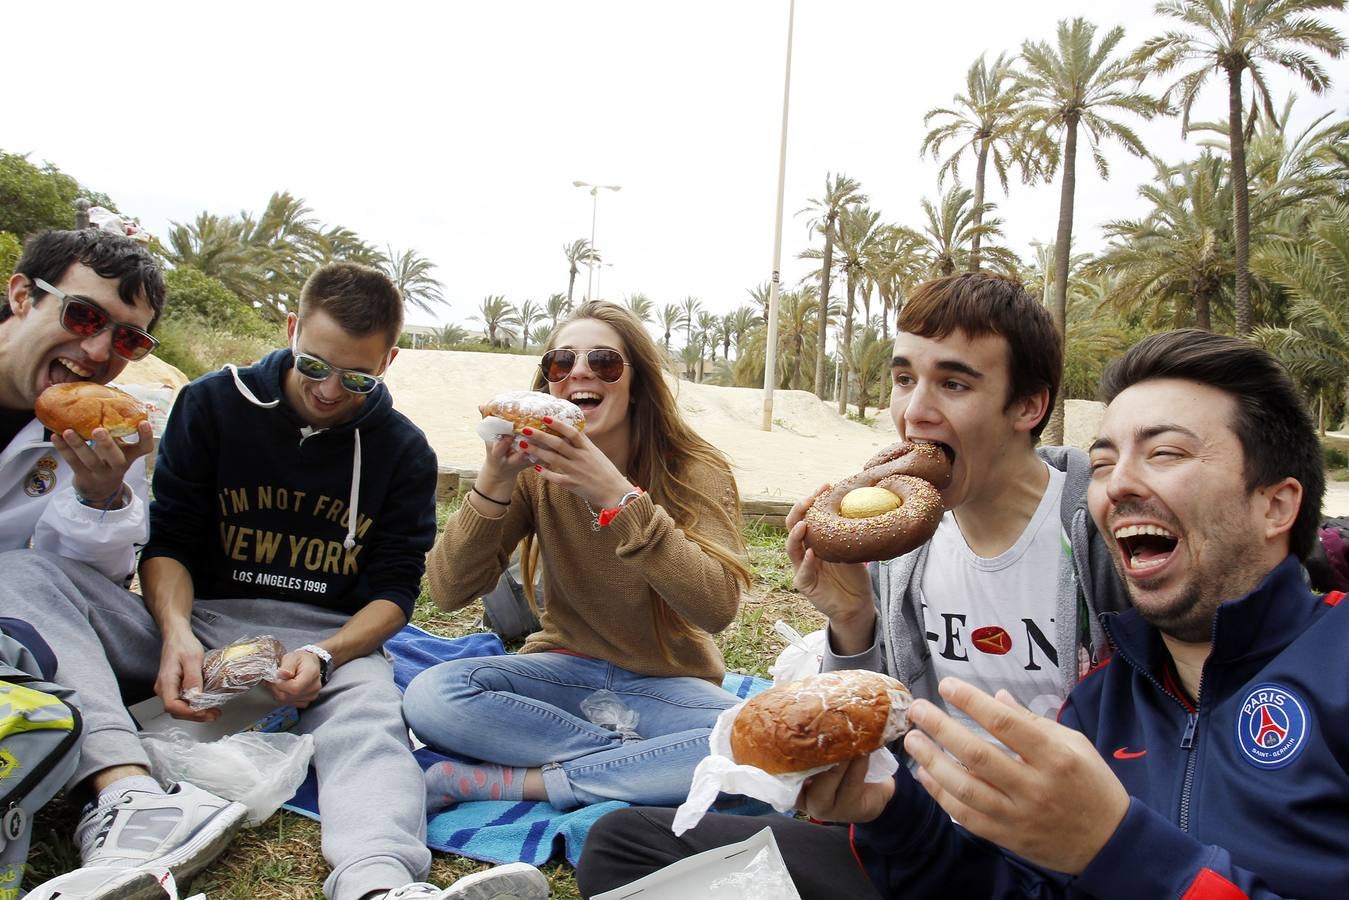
(448, 783)
(88, 825)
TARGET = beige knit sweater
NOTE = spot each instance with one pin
(601, 588)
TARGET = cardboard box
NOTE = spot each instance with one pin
(751, 868)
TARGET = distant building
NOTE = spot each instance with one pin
(415, 337)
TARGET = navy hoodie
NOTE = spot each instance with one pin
(1242, 795)
(254, 508)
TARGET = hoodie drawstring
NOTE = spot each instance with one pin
(243, 389)
(355, 496)
(355, 492)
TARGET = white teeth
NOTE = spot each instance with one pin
(75, 367)
(1136, 563)
(1136, 530)
(584, 395)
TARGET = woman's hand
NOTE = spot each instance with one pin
(568, 458)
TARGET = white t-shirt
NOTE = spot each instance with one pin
(991, 621)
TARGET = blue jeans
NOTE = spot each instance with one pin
(525, 711)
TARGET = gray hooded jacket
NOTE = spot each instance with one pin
(1087, 581)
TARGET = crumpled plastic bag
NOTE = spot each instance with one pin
(718, 772)
(261, 770)
(803, 655)
(765, 877)
(603, 708)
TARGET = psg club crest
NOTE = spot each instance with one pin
(1272, 726)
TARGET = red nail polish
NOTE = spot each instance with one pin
(526, 430)
(524, 444)
(538, 468)
(547, 420)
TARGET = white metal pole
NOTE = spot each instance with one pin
(771, 348)
(590, 264)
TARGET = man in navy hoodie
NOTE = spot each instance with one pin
(1206, 758)
(291, 499)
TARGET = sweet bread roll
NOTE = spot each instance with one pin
(820, 720)
(506, 414)
(83, 406)
(235, 668)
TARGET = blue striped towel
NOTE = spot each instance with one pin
(495, 831)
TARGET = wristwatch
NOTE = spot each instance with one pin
(325, 661)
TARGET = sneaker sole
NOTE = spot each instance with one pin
(189, 858)
(517, 881)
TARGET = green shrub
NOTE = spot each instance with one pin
(1335, 457)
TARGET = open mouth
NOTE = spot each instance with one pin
(1145, 547)
(949, 453)
(586, 400)
(63, 371)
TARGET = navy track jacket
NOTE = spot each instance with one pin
(1244, 795)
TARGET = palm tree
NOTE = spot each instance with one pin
(869, 359)
(1076, 84)
(556, 307)
(759, 294)
(214, 246)
(1175, 264)
(578, 253)
(640, 305)
(1236, 36)
(688, 315)
(725, 334)
(669, 317)
(528, 313)
(452, 335)
(954, 225)
(840, 192)
(894, 265)
(411, 273)
(744, 320)
(496, 314)
(538, 335)
(984, 120)
(858, 229)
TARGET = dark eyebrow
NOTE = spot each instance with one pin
(1144, 434)
(945, 365)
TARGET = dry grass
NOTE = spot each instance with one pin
(281, 860)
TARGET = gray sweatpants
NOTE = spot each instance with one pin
(370, 788)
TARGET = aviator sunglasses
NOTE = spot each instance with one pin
(605, 363)
(84, 319)
(316, 369)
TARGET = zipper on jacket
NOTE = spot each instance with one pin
(1187, 786)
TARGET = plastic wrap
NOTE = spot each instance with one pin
(260, 770)
(230, 670)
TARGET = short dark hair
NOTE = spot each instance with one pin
(1277, 435)
(49, 254)
(978, 304)
(360, 299)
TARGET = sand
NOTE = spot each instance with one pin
(810, 442)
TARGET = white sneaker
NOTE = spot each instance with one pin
(514, 881)
(182, 830)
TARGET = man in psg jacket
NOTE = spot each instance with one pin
(1207, 758)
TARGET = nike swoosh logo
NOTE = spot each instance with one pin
(1125, 753)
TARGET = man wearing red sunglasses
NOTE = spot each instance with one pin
(79, 306)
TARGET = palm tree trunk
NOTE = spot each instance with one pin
(1240, 200)
(823, 331)
(843, 353)
(978, 204)
(1203, 304)
(571, 284)
(1063, 242)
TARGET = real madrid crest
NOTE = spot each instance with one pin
(42, 479)
(1272, 726)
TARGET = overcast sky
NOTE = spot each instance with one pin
(458, 128)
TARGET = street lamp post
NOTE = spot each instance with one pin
(771, 348)
(594, 211)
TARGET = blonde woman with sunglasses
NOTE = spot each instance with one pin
(636, 522)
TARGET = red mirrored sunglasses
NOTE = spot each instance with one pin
(605, 363)
(84, 318)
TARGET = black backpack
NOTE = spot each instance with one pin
(1328, 563)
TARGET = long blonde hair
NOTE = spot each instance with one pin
(663, 450)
